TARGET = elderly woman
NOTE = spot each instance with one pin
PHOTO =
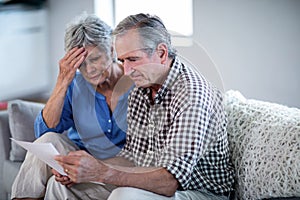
(88, 104)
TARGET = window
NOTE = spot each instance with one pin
(177, 15)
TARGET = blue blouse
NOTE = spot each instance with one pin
(89, 121)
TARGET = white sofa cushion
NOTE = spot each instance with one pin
(264, 141)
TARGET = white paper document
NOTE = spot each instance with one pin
(44, 151)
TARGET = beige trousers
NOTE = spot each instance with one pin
(31, 181)
(91, 191)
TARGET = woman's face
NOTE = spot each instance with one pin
(95, 68)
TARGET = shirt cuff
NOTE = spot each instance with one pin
(181, 170)
(40, 126)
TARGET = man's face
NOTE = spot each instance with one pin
(144, 70)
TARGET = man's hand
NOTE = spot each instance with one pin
(81, 166)
(64, 180)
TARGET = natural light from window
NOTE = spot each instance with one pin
(177, 15)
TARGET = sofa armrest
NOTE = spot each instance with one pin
(5, 146)
(5, 135)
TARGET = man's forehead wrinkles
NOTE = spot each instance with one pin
(128, 53)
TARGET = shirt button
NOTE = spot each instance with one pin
(109, 130)
(109, 121)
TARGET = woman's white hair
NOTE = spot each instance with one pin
(88, 30)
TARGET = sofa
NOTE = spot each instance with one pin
(264, 141)
(15, 122)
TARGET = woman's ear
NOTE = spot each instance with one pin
(162, 51)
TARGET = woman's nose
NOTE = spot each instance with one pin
(90, 68)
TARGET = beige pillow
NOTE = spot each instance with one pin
(21, 116)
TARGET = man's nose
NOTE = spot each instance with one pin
(127, 68)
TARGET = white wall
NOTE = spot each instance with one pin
(255, 44)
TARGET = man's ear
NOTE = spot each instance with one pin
(162, 51)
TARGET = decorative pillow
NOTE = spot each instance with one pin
(21, 116)
(264, 142)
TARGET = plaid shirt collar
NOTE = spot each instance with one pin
(175, 71)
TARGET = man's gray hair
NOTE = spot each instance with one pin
(150, 28)
(88, 30)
